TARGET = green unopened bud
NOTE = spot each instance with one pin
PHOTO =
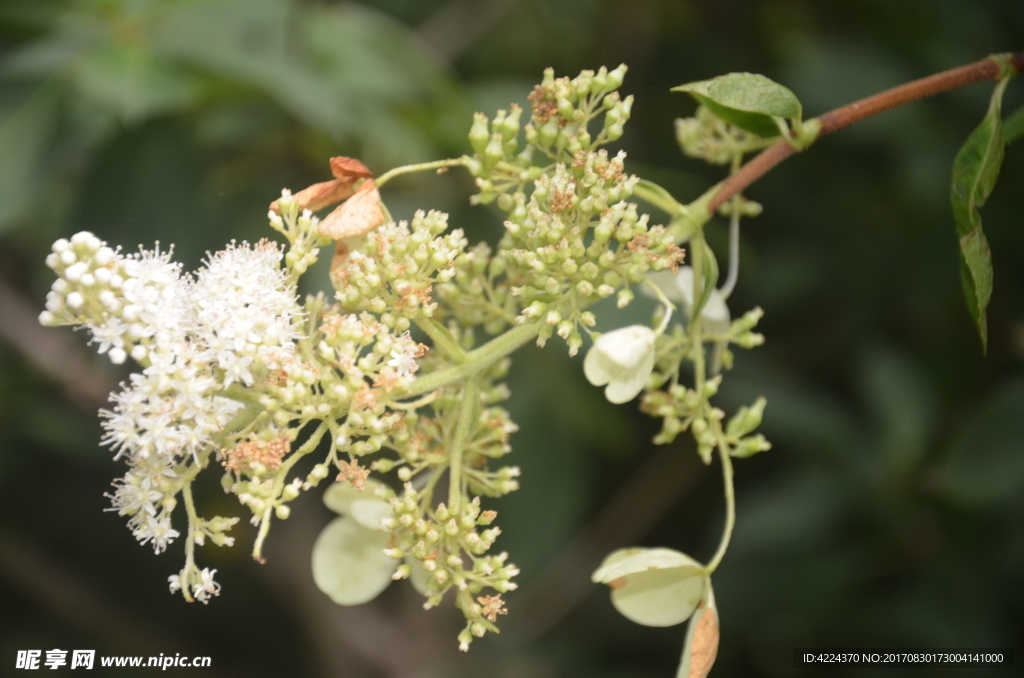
(282, 512)
(751, 446)
(383, 465)
(746, 419)
(493, 151)
(479, 134)
(749, 339)
(616, 76)
(711, 386)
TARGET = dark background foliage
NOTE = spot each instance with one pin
(890, 511)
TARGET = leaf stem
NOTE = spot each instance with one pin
(476, 360)
(986, 69)
(282, 473)
(467, 415)
(730, 508)
(443, 339)
(419, 167)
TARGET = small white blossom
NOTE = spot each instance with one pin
(679, 287)
(206, 586)
(623, 359)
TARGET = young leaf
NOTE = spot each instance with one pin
(1013, 126)
(974, 175)
(746, 100)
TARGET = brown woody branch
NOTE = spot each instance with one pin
(986, 69)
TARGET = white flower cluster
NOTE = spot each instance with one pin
(192, 336)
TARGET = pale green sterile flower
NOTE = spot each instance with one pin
(349, 560)
(679, 287)
(623, 359)
(653, 586)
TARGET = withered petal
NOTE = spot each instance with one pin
(349, 168)
(319, 196)
(357, 216)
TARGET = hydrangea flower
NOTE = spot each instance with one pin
(678, 287)
(622, 359)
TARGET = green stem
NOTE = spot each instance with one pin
(282, 473)
(730, 508)
(696, 341)
(419, 167)
(443, 339)
(656, 195)
(190, 540)
(467, 416)
(476, 360)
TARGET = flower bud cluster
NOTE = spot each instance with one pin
(479, 292)
(559, 128)
(300, 228)
(393, 272)
(683, 408)
(708, 137)
(449, 545)
(577, 241)
(563, 108)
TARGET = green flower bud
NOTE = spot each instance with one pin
(616, 76)
(746, 419)
(479, 134)
(751, 446)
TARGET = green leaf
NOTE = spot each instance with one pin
(24, 138)
(132, 82)
(746, 100)
(1013, 126)
(701, 645)
(974, 175)
(985, 465)
(349, 564)
(653, 587)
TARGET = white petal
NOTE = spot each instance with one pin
(597, 368)
(370, 511)
(339, 496)
(660, 597)
(639, 559)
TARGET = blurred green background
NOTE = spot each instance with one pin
(890, 511)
